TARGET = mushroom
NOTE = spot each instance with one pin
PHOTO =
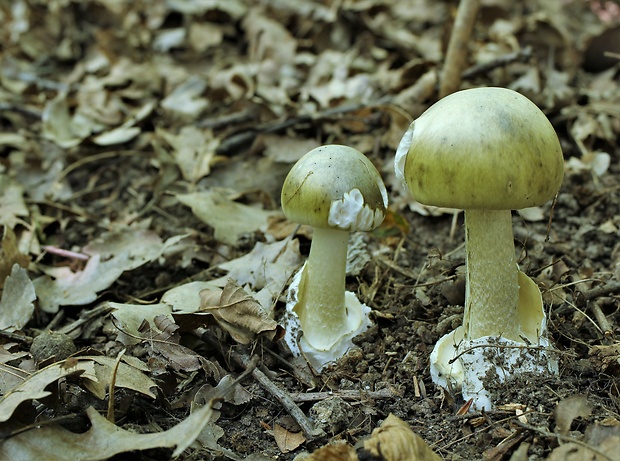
(336, 190)
(486, 151)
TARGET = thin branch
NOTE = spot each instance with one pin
(456, 56)
(281, 396)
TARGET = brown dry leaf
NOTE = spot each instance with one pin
(193, 150)
(10, 377)
(62, 128)
(267, 269)
(287, 441)
(392, 441)
(285, 149)
(606, 358)
(12, 203)
(10, 255)
(395, 441)
(163, 339)
(186, 100)
(33, 387)
(576, 452)
(98, 370)
(569, 409)
(229, 219)
(334, 452)
(227, 390)
(16, 304)
(111, 255)
(102, 441)
(235, 311)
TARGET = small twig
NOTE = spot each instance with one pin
(396, 268)
(281, 396)
(562, 437)
(345, 394)
(506, 346)
(234, 142)
(518, 56)
(610, 288)
(111, 416)
(291, 407)
(601, 318)
(226, 119)
(65, 253)
(87, 316)
(456, 56)
(17, 337)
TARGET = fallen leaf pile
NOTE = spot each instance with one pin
(142, 149)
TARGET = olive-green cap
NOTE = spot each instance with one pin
(337, 187)
(482, 148)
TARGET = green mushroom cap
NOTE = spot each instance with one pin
(335, 187)
(482, 148)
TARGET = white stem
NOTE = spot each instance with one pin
(492, 288)
(321, 307)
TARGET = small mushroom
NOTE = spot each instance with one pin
(487, 151)
(336, 190)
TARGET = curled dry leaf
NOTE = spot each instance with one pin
(235, 311)
(267, 269)
(10, 255)
(162, 339)
(33, 387)
(392, 441)
(95, 373)
(110, 255)
(229, 219)
(12, 203)
(395, 441)
(98, 372)
(286, 440)
(568, 409)
(16, 304)
(102, 441)
(334, 452)
(606, 358)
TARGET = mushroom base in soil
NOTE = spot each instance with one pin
(336, 190)
(473, 364)
(487, 151)
(357, 321)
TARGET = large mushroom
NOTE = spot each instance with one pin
(336, 190)
(486, 151)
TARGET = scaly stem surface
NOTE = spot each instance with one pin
(321, 305)
(492, 288)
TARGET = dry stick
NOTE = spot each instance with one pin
(346, 394)
(609, 288)
(287, 402)
(589, 297)
(235, 141)
(563, 437)
(456, 56)
(285, 399)
(521, 55)
(86, 317)
(601, 318)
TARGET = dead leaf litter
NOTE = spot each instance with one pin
(145, 261)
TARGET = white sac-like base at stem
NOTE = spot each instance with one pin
(358, 319)
(471, 365)
(489, 359)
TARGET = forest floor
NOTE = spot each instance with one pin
(143, 148)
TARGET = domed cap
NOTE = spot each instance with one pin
(483, 148)
(335, 187)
